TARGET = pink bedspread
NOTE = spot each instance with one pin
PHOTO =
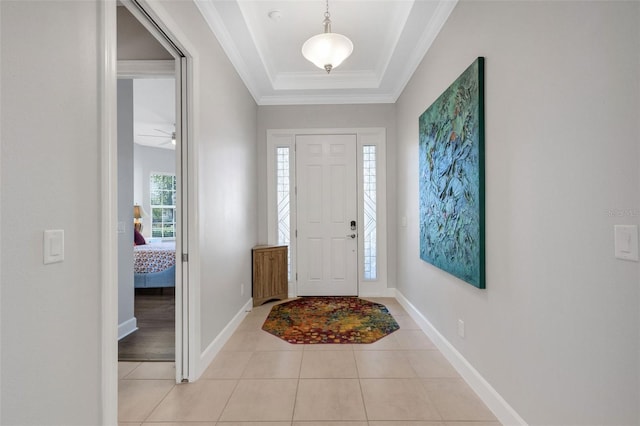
(154, 257)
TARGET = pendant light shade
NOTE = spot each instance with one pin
(327, 50)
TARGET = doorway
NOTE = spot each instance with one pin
(320, 181)
(152, 192)
(327, 215)
(161, 194)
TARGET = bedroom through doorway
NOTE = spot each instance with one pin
(155, 228)
(151, 144)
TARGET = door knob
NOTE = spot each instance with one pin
(351, 235)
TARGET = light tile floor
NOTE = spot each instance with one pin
(401, 380)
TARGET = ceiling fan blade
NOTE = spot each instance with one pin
(163, 131)
(155, 136)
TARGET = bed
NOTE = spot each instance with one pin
(154, 265)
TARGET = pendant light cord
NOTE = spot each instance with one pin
(327, 21)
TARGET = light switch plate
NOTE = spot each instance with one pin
(53, 246)
(626, 242)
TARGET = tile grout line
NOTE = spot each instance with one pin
(295, 396)
(218, 419)
(155, 407)
(364, 404)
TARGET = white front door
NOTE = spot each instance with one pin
(327, 205)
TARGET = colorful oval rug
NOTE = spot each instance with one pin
(311, 320)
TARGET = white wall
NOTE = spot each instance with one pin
(556, 331)
(50, 347)
(126, 318)
(147, 160)
(330, 116)
(224, 140)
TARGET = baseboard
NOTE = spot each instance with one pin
(127, 327)
(376, 291)
(207, 356)
(500, 408)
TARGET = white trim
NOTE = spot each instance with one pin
(494, 401)
(386, 292)
(377, 138)
(335, 99)
(432, 29)
(107, 104)
(127, 327)
(147, 69)
(215, 22)
(216, 345)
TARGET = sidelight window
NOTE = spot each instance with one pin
(283, 200)
(370, 217)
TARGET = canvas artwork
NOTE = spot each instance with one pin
(451, 140)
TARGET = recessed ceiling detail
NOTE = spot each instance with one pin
(263, 40)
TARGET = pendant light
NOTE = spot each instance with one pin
(327, 50)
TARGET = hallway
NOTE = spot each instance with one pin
(260, 378)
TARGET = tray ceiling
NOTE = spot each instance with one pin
(390, 39)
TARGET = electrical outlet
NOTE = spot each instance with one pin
(241, 289)
(461, 328)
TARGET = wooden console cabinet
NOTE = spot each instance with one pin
(270, 276)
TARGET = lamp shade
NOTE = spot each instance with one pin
(327, 50)
(138, 212)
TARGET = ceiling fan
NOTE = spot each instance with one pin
(171, 136)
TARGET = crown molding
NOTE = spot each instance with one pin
(311, 99)
(432, 29)
(385, 83)
(216, 24)
(320, 80)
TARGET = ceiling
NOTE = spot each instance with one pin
(154, 112)
(390, 39)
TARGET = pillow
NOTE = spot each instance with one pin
(138, 239)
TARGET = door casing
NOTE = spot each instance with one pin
(187, 306)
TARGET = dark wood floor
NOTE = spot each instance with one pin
(155, 339)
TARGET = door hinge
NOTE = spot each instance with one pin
(296, 233)
(185, 257)
(296, 276)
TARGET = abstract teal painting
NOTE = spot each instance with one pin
(451, 141)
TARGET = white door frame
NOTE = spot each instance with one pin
(187, 307)
(365, 136)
